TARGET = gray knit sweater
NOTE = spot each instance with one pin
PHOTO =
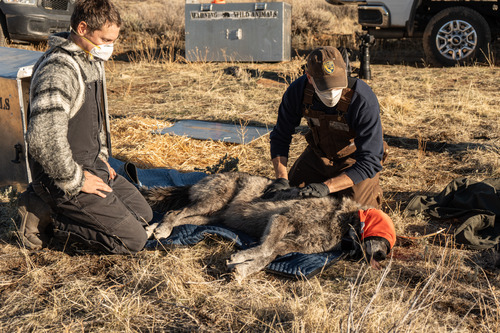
(56, 95)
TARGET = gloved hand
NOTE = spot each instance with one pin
(314, 190)
(277, 185)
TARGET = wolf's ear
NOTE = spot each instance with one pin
(350, 243)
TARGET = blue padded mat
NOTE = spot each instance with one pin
(300, 265)
(189, 234)
(292, 265)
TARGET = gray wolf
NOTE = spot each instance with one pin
(284, 223)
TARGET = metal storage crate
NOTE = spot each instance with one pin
(15, 77)
(238, 31)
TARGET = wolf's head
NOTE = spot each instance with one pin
(377, 234)
(375, 249)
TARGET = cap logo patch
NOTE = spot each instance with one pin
(328, 67)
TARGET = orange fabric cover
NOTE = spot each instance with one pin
(377, 223)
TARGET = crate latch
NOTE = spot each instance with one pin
(260, 6)
(19, 151)
(234, 34)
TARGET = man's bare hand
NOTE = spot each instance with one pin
(112, 172)
(94, 185)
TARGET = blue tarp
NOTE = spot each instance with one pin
(155, 177)
(209, 130)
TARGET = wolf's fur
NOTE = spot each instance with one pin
(284, 223)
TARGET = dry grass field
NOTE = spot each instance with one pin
(440, 123)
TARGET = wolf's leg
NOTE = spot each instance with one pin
(208, 197)
(276, 230)
(176, 218)
(170, 220)
(253, 260)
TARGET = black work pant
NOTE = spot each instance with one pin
(310, 168)
(114, 224)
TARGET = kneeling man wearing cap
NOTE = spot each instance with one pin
(345, 143)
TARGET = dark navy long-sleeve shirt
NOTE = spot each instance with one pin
(363, 117)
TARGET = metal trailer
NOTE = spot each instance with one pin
(238, 32)
(15, 77)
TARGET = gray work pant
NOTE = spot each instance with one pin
(114, 224)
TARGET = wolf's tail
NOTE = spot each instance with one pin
(164, 199)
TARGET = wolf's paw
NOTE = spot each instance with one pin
(150, 229)
(240, 270)
(232, 263)
(238, 257)
(163, 231)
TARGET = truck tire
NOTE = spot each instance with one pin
(456, 35)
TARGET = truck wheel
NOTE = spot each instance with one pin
(455, 35)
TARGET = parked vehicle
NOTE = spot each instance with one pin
(33, 20)
(452, 31)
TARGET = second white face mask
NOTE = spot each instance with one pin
(329, 97)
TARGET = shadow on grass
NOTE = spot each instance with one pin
(435, 146)
(152, 54)
(238, 72)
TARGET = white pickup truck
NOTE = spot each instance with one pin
(452, 31)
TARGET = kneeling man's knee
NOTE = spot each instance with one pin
(132, 237)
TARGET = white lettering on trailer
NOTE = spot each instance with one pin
(240, 14)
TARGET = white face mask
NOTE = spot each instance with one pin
(102, 52)
(329, 97)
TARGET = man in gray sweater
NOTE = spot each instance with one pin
(75, 193)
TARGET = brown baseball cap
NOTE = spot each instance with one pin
(327, 68)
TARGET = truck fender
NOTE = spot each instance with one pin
(410, 24)
(4, 33)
